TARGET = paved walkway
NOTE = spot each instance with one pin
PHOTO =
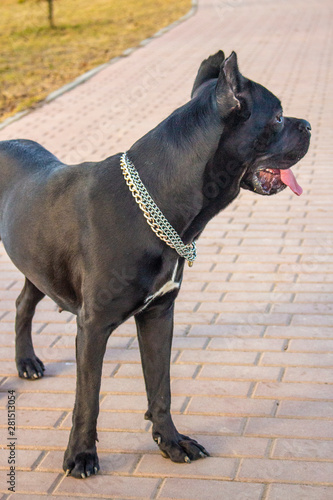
(253, 348)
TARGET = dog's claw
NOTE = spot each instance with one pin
(95, 470)
(88, 473)
(202, 454)
(164, 455)
(30, 368)
(67, 473)
(159, 440)
(205, 452)
(187, 460)
(83, 475)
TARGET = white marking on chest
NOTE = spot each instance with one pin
(167, 287)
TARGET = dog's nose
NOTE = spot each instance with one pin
(304, 126)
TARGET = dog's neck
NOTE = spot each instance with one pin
(179, 163)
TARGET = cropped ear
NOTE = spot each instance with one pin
(209, 69)
(234, 77)
(230, 83)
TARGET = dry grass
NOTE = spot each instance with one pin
(36, 60)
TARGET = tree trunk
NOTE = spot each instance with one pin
(51, 19)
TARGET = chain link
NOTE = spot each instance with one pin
(155, 218)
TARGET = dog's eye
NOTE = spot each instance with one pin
(279, 119)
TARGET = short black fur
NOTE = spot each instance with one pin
(78, 236)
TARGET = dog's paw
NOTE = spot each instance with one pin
(184, 449)
(83, 465)
(30, 368)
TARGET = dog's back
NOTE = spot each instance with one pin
(28, 154)
(20, 158)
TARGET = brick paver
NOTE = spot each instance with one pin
(253, 348)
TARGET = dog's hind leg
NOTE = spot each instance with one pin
(28, 365)
(155, 330)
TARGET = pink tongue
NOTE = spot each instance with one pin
(288, 178)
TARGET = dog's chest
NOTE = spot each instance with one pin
(169, 285)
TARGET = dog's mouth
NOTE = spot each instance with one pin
(268, 181)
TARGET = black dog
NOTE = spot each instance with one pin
(79, 236)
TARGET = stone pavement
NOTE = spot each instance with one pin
(253, 349)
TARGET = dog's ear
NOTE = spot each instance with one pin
(233, 75)
(229, 84)
(209, 69)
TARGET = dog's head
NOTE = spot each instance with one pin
(257, 139)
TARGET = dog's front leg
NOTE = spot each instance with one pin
(81, 458)
(155, 329)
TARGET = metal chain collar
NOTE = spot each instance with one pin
(155, 218)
